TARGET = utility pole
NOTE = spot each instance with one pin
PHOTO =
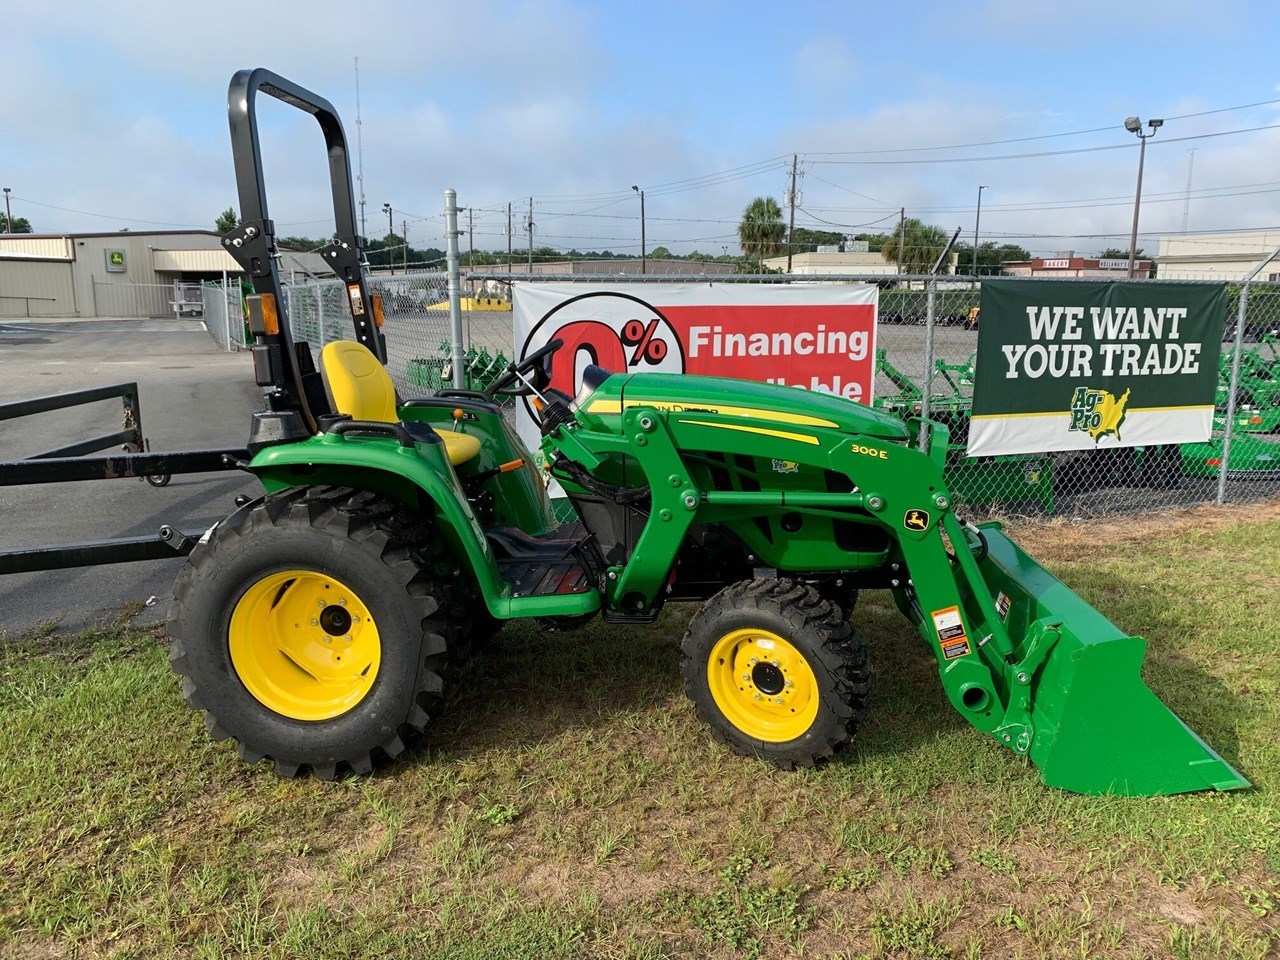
(1134, 126)
(643, 256)
(391, 232)
(1186, 203)
(508, 238)
(791, 199)
(977, 219)
(471, 238)
(8, 217)
(902, 236)
(364, 234)
(404, 225)
(529, 226)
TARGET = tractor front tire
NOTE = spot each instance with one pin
(315, 627)
(776, 671)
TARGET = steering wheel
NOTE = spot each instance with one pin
(537, 364)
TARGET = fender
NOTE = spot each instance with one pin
(419, 477)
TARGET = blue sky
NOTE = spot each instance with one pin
(117, 115)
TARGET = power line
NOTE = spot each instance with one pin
(1045, 136)
(1047, 153)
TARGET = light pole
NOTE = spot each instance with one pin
(643, 258)
(977, 219)
(391, 231)
(8, 217)
(1134, 125)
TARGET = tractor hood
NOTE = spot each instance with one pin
(742, 398)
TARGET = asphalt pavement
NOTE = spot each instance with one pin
(192, 396)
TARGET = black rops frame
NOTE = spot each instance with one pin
(295, 397)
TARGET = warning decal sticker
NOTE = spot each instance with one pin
(951, 635)
(1002, 605)
(357, 301)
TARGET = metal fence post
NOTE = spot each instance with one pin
(226, 311)
(460, 379)
(1235, 375)
(926, 388)
(1232, 386)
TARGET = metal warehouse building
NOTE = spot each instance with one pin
(115, 274)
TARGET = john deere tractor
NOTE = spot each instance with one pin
(322, 624)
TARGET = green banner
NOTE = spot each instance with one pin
(1065, 365)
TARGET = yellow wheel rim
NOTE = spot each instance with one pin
(763, 685)
(304, 645)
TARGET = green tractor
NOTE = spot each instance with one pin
(323, 624)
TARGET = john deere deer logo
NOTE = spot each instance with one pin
(916, 520)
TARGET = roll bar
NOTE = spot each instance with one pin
(278, 361)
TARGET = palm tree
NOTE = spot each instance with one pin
(761, 231)
(915, 246)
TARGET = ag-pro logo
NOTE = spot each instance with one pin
(1097, 412)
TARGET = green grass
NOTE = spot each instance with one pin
(569, 804)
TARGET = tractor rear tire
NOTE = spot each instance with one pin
(362, 664)
(776, 671)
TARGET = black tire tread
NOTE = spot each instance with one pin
(842, 667)
(403, 541)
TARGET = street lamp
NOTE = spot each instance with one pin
(977, 220)
(1134, 125)
(8, 217)
(643, 257)
(391, 229)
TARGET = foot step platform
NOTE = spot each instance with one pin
(563, 562)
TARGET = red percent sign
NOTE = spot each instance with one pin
(640, 336)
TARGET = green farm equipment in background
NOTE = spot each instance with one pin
(1258, 388)
(436, 373)
(973, 480)
(324, 624)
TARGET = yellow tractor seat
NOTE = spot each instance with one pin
(363, 390)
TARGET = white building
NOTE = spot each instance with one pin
(1218, 256)
(115, 274)
(860, 264)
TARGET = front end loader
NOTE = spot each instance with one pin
(324, 624)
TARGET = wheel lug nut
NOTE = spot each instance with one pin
(776, 663)
(753, 661)
(342, 603)
(328, 639)
(747, 677)
(758, 697)
(315, 623)
(779, 701)
(347, 638)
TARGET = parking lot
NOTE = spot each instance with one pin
(192, 396)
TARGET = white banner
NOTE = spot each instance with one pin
(814, 336)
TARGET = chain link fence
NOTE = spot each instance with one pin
(224, 315)
(925, 366)
(416, 312)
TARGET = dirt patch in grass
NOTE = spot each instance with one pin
(1064, 537)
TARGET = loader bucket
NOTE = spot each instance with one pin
(1097, 727)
